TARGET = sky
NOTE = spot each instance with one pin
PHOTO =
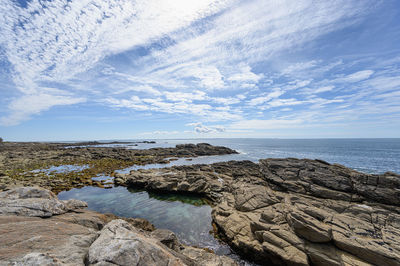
(148, 69)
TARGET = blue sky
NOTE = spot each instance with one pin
(102, 69)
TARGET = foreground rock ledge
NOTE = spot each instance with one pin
(38, 229)
(291, 211)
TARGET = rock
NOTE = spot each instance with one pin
(294, 212)
(38, 259)
(197, 256)
(202, 149)
(331, 181)
(120, 243)
(251, 197)
(308, 227)
(166, 237)
(31, 201)
(27, 193)
(202, 257)
(68, 242)
(320, 254)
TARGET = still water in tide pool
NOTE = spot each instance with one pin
(189, 217)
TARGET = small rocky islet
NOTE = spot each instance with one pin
(274, 212)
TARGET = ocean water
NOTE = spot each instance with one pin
(365, 155)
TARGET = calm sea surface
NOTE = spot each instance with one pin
(366, 155)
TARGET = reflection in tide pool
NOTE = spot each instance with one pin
(187, 216)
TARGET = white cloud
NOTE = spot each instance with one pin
(24, 107)
(140, 88)
(272, 95)
(318, 89)
(384, 82)
(390, 95)
(210, 77)
(245, 75)
(226, 100)
(283, 102)
(134, 103)
(202, 129)
(299, 67)
(54, 41)
(185, 96)
(71, 37)
(357, 76)
(182, 106)
(68, 42)
(296, 84)
(324, 89)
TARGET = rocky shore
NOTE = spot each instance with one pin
(291, 211)
(23, 164)
(38, 229)
(275, 212)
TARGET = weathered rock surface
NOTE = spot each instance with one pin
(28, 201)
(61, 233)
(120, 243)
(291, 211)
(21, 236)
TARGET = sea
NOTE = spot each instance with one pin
(366, 155)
